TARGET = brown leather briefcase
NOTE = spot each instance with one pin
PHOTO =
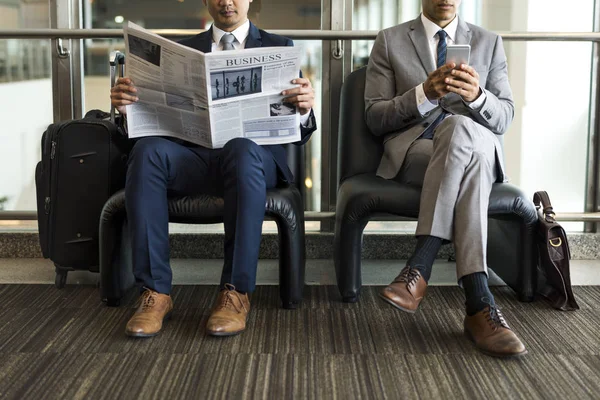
(554, 256)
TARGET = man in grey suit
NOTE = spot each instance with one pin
(439, 123)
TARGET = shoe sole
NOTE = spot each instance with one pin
(141, 335)
(148, 335)
(396, 305)
(492, 354)
(224, 334)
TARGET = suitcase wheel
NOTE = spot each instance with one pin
(61, 279)
(113, 302)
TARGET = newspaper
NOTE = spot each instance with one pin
(210, 98)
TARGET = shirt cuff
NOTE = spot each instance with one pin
(304, 119)
(474, 105)
(423, 103)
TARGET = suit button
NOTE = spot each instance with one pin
(425, 124)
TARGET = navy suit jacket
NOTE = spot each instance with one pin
(259, 38)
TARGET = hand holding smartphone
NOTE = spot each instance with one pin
(436, 85)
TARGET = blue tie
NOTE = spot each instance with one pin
(441, 48)
(441, 60)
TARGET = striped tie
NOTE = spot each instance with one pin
(227, 40)
(441, 48)
(441, 60)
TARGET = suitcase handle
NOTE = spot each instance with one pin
(117, 70)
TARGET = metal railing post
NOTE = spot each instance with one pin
(333, 20)
(592, 198)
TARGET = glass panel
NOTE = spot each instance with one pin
(534, 138)
(25, 104)
(537, 137)
(158, 14)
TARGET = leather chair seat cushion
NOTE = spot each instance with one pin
(363, 196)
(205, 209)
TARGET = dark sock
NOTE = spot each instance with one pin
(424, 255)
(477, 292)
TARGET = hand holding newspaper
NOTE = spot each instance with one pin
(210, 98)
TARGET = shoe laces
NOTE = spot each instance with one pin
(231, 294)
(408, 275)
(147, 300)
(495, 318)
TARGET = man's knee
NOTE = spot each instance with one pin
(457, 122)
(241, 150)
(455, 130)
(149, 155)
(240, 145)
(244, 161)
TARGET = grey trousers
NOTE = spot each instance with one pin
(456, 171)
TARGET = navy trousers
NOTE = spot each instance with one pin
(241, 173)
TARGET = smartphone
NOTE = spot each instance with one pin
(458, 53)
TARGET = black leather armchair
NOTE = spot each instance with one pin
(284, 205)
(362, 196)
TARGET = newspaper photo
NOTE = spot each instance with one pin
(210, 98)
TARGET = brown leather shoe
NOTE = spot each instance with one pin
(230, 313)
(406, 291)
(148, 319)
(492, 335)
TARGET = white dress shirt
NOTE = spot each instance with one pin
(431, 29)
(241, 35)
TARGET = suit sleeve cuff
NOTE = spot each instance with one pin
(475, 105)
(304, 119)
(423, 103)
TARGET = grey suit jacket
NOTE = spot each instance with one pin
(401, 60)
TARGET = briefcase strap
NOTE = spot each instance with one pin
(542, 198)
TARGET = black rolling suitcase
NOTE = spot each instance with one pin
(83, 163)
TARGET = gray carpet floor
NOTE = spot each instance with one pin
(65, 344)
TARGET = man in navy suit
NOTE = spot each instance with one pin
(240, 172)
